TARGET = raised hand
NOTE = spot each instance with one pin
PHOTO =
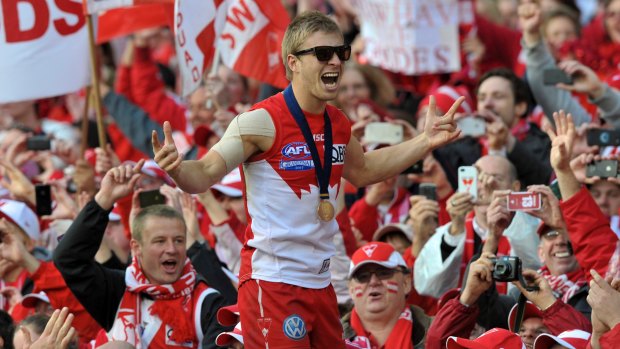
(117, 183)
(57, 334)
(530, 20)
(543, 297)
(167, 156)
(441, 130)
(458, 206)
(188, 204)
(550, 212)
(18, 184)
(423, 215)
(66, 207)
(498, 215)
(479, 279)
(585, 80)
(562, 140)
(106, 159)
(579, 165)
(604, 300)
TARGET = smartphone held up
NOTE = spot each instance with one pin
(468, 181)
(524, 201)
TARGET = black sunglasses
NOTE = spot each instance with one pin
(325, 53)
(382, 274)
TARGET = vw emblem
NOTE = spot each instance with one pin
(294, 327)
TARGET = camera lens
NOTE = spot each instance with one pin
(502, 269)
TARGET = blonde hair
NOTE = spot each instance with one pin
(300, 29)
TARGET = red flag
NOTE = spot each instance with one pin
(251, 40)
(126, 20)
(247, 33)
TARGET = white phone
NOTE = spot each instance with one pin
(383, 133)
(472, 126)
(468, 180)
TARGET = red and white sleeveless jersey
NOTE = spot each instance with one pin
(285, 240)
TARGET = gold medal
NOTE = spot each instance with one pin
(325, 210)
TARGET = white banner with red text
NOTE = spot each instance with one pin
(412, 37)
(43, 49)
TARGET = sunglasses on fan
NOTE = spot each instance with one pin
(325, 53)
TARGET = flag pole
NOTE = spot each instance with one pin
(95, 82)
(84, 142)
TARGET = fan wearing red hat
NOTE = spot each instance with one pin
(575, 339)
(379, 283)
(496, 338)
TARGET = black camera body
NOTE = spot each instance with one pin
(506, 268)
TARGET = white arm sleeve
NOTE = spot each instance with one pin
(230, 147)
(432, 276)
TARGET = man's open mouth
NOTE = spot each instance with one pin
(330, 79)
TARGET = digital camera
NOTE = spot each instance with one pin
(506, 268)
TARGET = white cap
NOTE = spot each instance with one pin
(21, 215)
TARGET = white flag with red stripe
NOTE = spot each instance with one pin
(247, 33)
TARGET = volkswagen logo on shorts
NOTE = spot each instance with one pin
(294, 327)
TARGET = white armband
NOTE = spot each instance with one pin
(230, 147)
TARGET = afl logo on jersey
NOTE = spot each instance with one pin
(296, 157)
(294, 327)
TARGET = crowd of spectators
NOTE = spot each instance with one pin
(411, 269)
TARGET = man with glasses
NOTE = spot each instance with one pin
(294, 149)
(379, 283)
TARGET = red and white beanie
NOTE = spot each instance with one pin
(228, 316)
(231, 185)
(495, 338)
(446, 95)
(228, 338)
(151, 168)
(573, 339)
(21, 215)
(376, 252)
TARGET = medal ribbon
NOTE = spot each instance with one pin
(322, 172)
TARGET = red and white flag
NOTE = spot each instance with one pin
(96, 6)
(123, 21)
(43, 49)
(247, 34)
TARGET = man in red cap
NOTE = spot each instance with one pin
(575, 339)
(379, 283)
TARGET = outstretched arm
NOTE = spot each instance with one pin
(248, 134)
(362, 168)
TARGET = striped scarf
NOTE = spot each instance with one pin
(566, 285)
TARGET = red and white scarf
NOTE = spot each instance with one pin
(172, 305)
(503, 249)
(400, 336)
(564, 285)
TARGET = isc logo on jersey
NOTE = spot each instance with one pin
(296, 156)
